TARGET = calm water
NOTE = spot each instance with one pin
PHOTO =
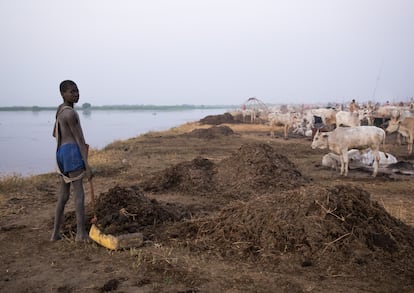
(27, 146)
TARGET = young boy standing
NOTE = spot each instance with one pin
(72, 160)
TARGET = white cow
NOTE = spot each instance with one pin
(366, 115)
(303, 127)
(345, 118)
(404, 126)
(249, 113)
(385, 111)
(343, 139)
(358, 159)
(304, 123)
(285, 119)
(328, 115)
(400, 114)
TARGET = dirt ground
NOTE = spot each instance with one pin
(223, 208)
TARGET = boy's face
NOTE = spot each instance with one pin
(71, 94)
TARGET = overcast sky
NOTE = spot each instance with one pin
(206, 52)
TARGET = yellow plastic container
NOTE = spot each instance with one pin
(118, 242)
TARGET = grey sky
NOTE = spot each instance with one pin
(168, 52)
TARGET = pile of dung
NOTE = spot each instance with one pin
(127, 210)
(195, 177)
(218, 119)
(211, 133)
(336, 228)
(256, 168)
(253, 169)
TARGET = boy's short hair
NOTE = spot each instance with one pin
(65, 84)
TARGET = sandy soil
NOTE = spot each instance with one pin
(222, 209)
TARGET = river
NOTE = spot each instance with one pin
(27, 146)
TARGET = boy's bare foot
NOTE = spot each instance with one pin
(55, 238)
(84, 239)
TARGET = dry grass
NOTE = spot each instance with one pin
(250, 127)
(16, 182)
(11, 182)
(402, 210)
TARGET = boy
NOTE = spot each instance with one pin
(72, 160)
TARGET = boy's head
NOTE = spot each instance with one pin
(69, 91)
(64, 85)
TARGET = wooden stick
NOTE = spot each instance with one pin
(92, 194)
(94, 219)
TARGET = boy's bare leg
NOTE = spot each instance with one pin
(60, 207)
(79, 194)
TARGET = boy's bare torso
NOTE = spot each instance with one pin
(70, 130)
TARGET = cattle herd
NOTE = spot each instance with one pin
(346, 133)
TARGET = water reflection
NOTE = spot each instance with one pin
(86, 113)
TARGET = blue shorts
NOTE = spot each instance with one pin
(69, 158)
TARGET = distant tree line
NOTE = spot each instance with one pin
(89, 107)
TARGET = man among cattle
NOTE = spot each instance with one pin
(353, 106)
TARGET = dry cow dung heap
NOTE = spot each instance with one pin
(338, 228)
(218, 119)
(211, 133)
(256, 168)
(127, 210)
(253, 169)
(190, 177)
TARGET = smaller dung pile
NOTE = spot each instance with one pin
(194, 177)
(218, 119)
(211, 133)
(127, 210)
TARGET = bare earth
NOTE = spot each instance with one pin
(222, 209)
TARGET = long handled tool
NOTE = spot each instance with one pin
(94, 219)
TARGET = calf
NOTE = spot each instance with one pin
(405, 126)
(343, 139)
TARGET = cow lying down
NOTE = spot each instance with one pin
(364, 161)
(358, 159)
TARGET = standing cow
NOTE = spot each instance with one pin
(344, 118)
(285, 119)
(405, 126)
(343, 139)
(328, 115)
